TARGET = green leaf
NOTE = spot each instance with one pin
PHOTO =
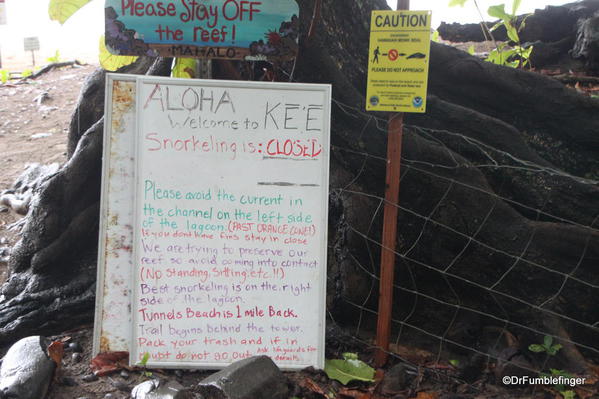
(552, 350)
(498, 11)
(111, 62)
(144, 359)
(184, 68)
(348, 369)
(557, 347)
(350, 356)
(61, 10)
(568, 394)
(512, 32)
(4, 76)
(471, 50)
(454, 362)
(55, 58)
(454, 3)
(515, 6)
(536, 348)
(548, 341)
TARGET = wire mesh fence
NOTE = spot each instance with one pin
(479, 271)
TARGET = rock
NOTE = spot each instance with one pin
(27, 370)
(157, 389)
(512, 363)
(252, 378)
(76, 357)
(124, 374)
(395, 380)
(120, 385)
(41, 135)
(41, 98)
(89, 378)
(109, 396)
(68, 381)
(75, 347)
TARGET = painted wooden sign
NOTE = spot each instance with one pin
(228, 29)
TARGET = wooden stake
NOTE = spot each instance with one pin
(387, 274)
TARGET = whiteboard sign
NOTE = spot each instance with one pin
(230, 213)
(112, 327)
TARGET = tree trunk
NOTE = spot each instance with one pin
(498, 203)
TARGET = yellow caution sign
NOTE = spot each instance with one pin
(398, 61)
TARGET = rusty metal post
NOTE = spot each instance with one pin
(389, 239)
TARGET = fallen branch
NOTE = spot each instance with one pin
(49, 67)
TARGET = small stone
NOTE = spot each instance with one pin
(256, 377)
(76, 357)
(40, 135)
(120, 385)
(395, 380)
(179, 373)
(83, 397)
(89, 378)
(68, 381)
(109, 396)
(124, 374)
(157, 389)
(75, 347)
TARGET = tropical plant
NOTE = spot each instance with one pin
(552, 349)
(184, 68)
(62, 10)
(547, 346)
(55, 58)
(4, 76)
(517, 56)
(514, 55)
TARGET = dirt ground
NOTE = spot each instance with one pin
(21, 119)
